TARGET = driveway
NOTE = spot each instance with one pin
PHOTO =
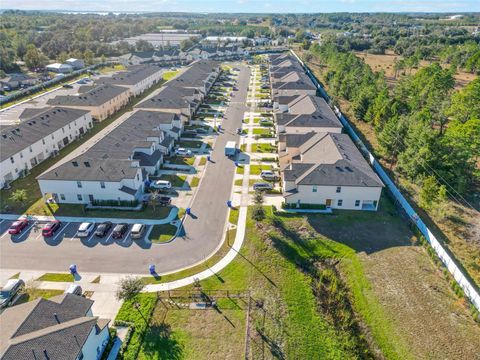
(204, 230)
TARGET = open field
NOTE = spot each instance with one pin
(348, 285)
(385, 63)
(459, 231)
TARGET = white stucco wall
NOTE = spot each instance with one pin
(348, 195)
(70, 190)
(42, 149)
(95, 344)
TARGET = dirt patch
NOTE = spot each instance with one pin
(421, 304)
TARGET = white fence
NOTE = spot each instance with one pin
(448, 260)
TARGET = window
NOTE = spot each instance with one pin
(63, 130)
(339, 189)
(31, 150)
(79, 184)
(314, 189)
(21, 156)
(12, 161)
(339, 202)
(357, 202)
(53, 137)
(138, 177)
(79, 197)
(62, 196)
(102, 184)
(43, 141)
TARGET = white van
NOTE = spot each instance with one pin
(74, 289)
(137, 231)
(162, 184)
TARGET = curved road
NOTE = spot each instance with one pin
(203, 231)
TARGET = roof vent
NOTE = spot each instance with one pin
(74, 163)
(87, 164)
(339, 168)
(56, 317)
(348, 169)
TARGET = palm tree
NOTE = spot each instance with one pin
(19, 196)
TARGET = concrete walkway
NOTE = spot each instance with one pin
(79, 219)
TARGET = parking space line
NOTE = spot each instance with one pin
(27, 230)
(60, 231)
(91, 236)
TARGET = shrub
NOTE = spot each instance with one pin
(304, 206)
(111, 203)
(258, 213)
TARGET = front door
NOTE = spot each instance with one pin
(91, 198)
(328, 202)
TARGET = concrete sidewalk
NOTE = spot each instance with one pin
(171, 216)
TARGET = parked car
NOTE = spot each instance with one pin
(119, 230)
(269, 175)
(67, 86)
(264, 121)
(74, 289)
(162, 184)
(164, 201)
(85, 229)
(9, 291)
(183, 152)
(18, 226)
(50, 228)
(137, 231)
(262, 186)
(201, 131)
(103, 229)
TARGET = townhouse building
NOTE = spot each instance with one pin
(101, 100)
(137, 78)
(41, 134)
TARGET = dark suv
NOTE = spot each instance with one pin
(119, 230)
(164, 201)
(103, 229)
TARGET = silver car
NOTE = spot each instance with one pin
(9, 291)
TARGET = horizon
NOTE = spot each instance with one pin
(249, 6)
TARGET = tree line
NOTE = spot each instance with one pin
(424, 127)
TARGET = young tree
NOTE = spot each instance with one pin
(258, 212)
(129, 287)
(19, 196)
(429, 192)
(33, 57)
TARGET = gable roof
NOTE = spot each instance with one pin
(133, 75)
(57, 327)
(96, 96)
(40, 123)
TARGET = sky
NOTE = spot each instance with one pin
(248, 6)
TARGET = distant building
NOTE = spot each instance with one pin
(61, 327)
(226, 39)
(16, 80)
(137, 78)
(162, 39)
(75, 63)
(102, 100)
(59, 68)
(40, 135)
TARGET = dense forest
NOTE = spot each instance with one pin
(428, 131)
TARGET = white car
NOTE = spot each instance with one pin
(85, 229)
(269, 175)
(162, 184)
(183, 152)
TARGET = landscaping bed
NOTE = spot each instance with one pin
(162, 233)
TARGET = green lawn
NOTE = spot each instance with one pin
(168, 75)
(33, 294)
(40, 208)
(264, 148)
(57, 277)
(257, 169)
(179, 160)
(263, 132)
(162, 233)
(176, 180)
(233, 215)
(203, 161)
(195, 181)
(190, 144)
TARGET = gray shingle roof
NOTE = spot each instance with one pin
(132, 76)
(94, 97)
(57, 327)
(110, 158)
(332, 159)
(169, 97)
(18, 137)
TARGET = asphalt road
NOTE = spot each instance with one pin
(204, 230)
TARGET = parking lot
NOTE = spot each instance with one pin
(68, 232)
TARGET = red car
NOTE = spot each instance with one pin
(18, 226)
(50, 228)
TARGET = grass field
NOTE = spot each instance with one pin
(175, 180)
(263, 148)
(348, 285)
(33, 294)
(58, 277)
(168, 75)
(385, 63)
(162, 233)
